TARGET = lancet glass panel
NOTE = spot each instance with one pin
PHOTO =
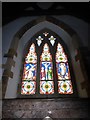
(29, 72)
(46, 72)
(63, 72)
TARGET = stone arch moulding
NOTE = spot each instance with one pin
(21, 32)
(29, 25)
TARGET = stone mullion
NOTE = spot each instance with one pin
(37, 71)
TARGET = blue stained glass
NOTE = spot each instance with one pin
(63, 71)
(46, 71)
(29, 71)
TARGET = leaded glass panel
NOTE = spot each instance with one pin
(28, 87)
(63, 72)
(46, 87)
(29, 72)
(46, 72)
(65, 87)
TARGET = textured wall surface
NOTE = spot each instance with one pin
(40, 108)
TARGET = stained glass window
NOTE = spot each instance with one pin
(63, 72)
(46, 72)
(29, 72)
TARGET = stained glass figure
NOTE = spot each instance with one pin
(46, 71)
(28, 87)
(29, 72)
(46, 64)
(46, 87)
(65, 87)
(63, 71)
(39, 40)
(52, 40)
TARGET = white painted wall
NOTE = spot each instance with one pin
(9, 30)
(80, 26)
(12, 83)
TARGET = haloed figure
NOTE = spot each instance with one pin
(50, 73)
(42, 73)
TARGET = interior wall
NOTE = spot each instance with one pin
(78, 25)
(12, 83)
(9, 30)
(12, 86)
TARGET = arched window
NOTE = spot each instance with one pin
(47, 69)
